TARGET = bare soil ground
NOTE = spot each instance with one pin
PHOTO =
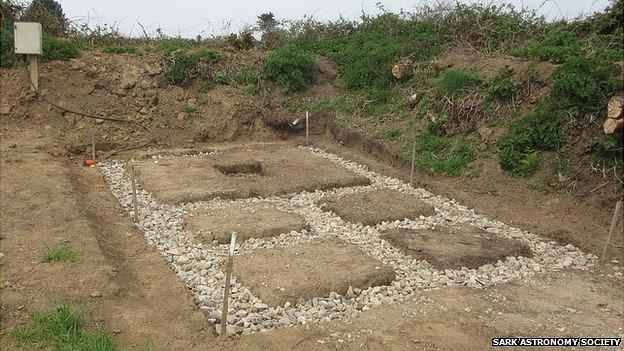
(373, 207)
(554, 304)
(47, 198)
(248, 221)
(454, 247)
(310, 270)
(119, 280)
(283, 170)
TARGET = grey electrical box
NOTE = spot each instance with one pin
(27, 38)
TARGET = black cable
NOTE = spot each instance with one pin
(88, 115)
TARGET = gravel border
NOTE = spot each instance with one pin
(199, 265)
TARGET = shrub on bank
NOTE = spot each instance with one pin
(290, 67)
(519, 147)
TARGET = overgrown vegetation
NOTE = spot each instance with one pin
(291, 68)
(556, 46)
(608, 150)
(58, 48)
(384, 39)
(188, 108)
(501, 86)
(62, 328)
(585, 84)
(183, 65)
(519, 147)
(443, 155)
(120, 48)
(454, 81)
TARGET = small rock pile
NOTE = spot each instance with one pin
(200, 265)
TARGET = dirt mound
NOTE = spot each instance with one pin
(133, 87)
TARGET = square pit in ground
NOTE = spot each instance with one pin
(310, 270)
(258, 220)
(456, 246)
(373, 207)
(234, 173)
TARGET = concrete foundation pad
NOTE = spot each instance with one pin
(310, 270)
(242, 172)
(247, 220)
(454, 247)
(373, 207)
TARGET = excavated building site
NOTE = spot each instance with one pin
(241, 223)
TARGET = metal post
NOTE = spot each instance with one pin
(226, 290)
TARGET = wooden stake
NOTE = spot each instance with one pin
(614, 223)
(33, 71)
(307, 129)
(135, 203)
(92, 145)
(413, 161)
(226, 290)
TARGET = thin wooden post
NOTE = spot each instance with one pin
(614, 224)
(135, 203)
(226, 290)
(92, 144)
(307, 130)
(413, 161)
(33, 71)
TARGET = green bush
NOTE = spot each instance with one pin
(366, 53)
(608, 148)
(557, 46)
(245, 76)
(518, 147)
(584, 84)
(501, 85)
(207, 85)
(455, 81)
(53, 48)
(121, 49)
(222, 79)
(168, 46)
(252, 89)
(6, 46)
(365, 59)
(291, 68)
(608, 47)
(185, 64)
(58, 48)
